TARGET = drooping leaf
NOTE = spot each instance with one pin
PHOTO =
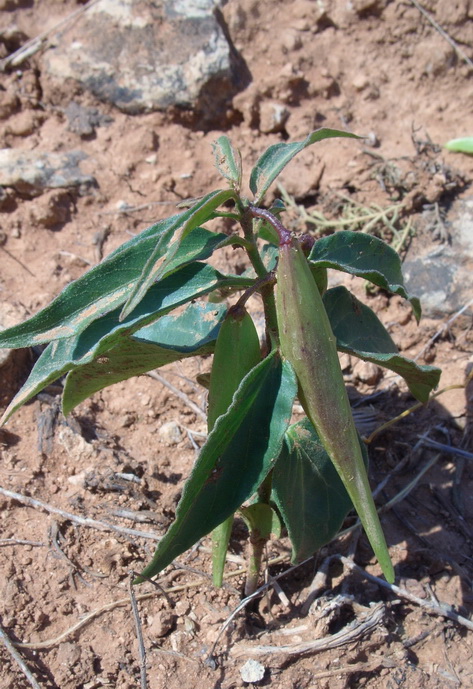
(365, 256)
(237, 456)
(228, 161)
(105, 287)
(192, 281)
(276, 157)
(308, 491)
(237, 351)
(360, 332)
(162, 263)
(170, 339)
(462, 145)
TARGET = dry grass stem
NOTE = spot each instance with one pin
(35, 44)
(443, 33)
(439, 609)
(18, 658)
(139, 633)
(82, 521)
(365, 623)
(182, 396)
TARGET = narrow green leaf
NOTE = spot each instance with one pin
(360, 332)
(173, 337)
(104, 287)
(53, 363)
(238, 454)
(276, 157)
(228, 161)
(365, 256)
(237, 352)
(462, 145)
(308, 491)
(220, 540)
(163, 262)
(191, 282)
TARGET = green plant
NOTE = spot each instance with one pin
(463, 145)
(121, 319)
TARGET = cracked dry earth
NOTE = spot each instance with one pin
(382, 69)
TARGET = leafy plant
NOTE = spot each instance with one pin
(463, 145)
(122, 319)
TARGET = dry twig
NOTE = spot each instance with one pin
(439, 609)
(82, 521)
(20, 541)
(443, 33)
(35, 44)
(443, 328)
(139, 633)
(364, 624)
(182, 396)
(18, 658)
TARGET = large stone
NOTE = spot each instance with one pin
(144, 56)
(440, 274)
(31, 172)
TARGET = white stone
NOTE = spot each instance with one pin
(252, 671)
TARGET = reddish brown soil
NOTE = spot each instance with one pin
(383, 70)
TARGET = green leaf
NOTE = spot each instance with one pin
(463, 145)
(365, 256)
(164, 262)
(228, 161)
(237, 351)
(170, 339)
(220, 540)
(360, 332)
(276, 157)
(308, 491)
(104, 287)
(238, 454)
(191, 282)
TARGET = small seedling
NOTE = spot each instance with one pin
(124, 317)
(463, 145)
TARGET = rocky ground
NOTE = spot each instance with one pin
(105, 125)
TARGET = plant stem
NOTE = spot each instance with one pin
(267, 292)
(257, 545)
(257, 541)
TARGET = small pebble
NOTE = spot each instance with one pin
(162, 623)
(368, 373)
(170, 433)
(252, 671)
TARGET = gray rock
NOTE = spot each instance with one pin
(31, 172)
(84, 121)
(144, 56)
(441, 274)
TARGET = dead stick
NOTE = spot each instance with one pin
(83, 521)
(41, 645)
(182, 396)
(443, 33)
(440, 609)
(139, 633)
(370, 621)
(18, 658)
(32, 46)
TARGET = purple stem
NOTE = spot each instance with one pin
(285, 236)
